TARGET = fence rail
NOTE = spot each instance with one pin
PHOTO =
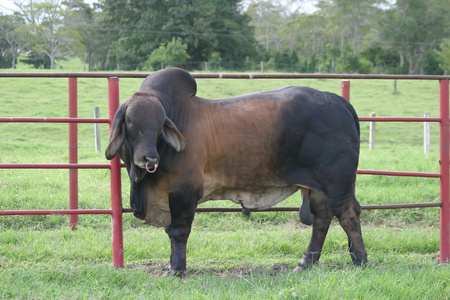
(53, 120)
(55, 166)
(233, 76)
(56, 212)
(117, 210)
(398, 119)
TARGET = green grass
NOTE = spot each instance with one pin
(229, 256)
(253, 262)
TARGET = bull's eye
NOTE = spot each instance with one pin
(128, 120)
(132, 129)
(130, 123)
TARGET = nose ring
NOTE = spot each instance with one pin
(151, 170)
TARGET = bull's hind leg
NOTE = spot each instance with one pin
(349, 220)
(322, 215)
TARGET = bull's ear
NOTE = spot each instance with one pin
(117, 135)
(172, 136)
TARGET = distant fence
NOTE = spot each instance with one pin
(115, 165)
(426, 134)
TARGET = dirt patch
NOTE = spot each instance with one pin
(156, 269)
(160, 269)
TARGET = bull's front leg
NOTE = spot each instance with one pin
(182, 209)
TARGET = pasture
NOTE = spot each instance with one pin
(229, 256)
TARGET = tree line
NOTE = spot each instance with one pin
(341, 36)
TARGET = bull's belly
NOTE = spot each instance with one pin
(257, 199)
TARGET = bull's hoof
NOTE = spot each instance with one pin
(177, 273)
(359, 259)
(246, 212)
(360, 263)
(301, 266)
(297, 269)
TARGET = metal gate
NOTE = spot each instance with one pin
(114, 166)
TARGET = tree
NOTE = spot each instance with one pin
(53, 38)
(413, 27)
(429, 65)
(444, 55)
(234, 38)
(92, 42)
(171, 54)
(348, 18)
(318, 39)
(339, 36)
(129, 24)
(267, 20)
(45, 23)
(37, 60)
(11, 34)
(206, 27)
(385, 60)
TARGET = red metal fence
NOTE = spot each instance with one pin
(114, 166)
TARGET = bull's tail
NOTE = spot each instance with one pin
(305, 209)
(355, 116)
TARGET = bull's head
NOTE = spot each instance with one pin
(136, 128)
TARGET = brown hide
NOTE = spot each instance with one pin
(231, 152)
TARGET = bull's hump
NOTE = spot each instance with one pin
(174, 84)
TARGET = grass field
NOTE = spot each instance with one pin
(229, 256)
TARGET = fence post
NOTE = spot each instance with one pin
(426, 134)
(444, 169)
(372, 132)
(98, 144)
(73, 151)
(116, 189)
(345, 87)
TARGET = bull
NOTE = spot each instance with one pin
(256, 150)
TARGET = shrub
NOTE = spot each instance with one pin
(171, 54)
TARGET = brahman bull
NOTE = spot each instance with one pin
(256, 150)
